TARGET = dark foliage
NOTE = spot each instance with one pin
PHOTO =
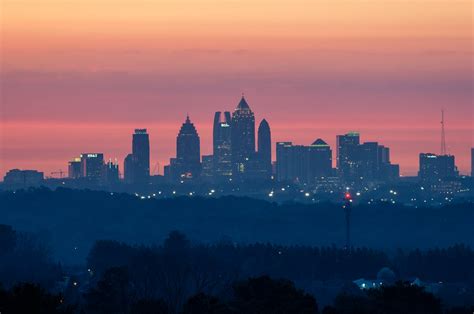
(25, 258)
(263, 295)
(203, 303)
(32, 299)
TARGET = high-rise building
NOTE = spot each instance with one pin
(74, 168)
(242, 139)
(346, 154)
(363, 162)
(472, 162)
(265, 148)
(367, 160)
(188, 150)
(17, 178)
(437, 167)
(128, 169)
(283, 161)
(111, 172)
(222, 160)
(303, 164)
(207, 167)
(92, 166)
(140, 156)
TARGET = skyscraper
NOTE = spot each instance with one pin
(472, 162)
(303, 164)
(437, 167)
(265, 148)
(140, 156)
(111, 172)
(74, 168)
(346, 151)
(188, 150)
(92, 166)
(128, 169)
(222, 154)
(243, 138)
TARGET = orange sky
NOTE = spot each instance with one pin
(383, 67)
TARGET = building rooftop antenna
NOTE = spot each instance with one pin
(443, 136)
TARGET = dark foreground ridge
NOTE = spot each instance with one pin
(72, 220)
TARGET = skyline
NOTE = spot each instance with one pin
(312, 69)
(208, 148)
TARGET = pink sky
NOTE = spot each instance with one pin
(79, 76)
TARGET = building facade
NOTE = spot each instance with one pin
(74, 168)
(264, 152)
(187, 163)
(434, 167)
(242, 139)
(303, 164)
(222, 147)
(140, 157)
(92, 166)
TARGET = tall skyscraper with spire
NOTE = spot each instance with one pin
(188, 151)
(242, 138)
(140, 157)
(265, 148)
(222, 154)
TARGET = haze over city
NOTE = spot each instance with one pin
(80, 76)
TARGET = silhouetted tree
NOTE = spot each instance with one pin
(203, 303)
(264, 295)
(404, 298)
(31, 299)
(7, 239)
(112, 295)
(144, 306)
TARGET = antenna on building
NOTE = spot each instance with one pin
(443, 136)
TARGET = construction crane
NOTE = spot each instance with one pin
(60, 172)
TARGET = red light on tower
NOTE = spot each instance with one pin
(348, 196)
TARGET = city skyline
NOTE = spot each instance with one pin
(313, 69)
(206, 148)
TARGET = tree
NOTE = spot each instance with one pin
(112, 295)
(7, 239)
(203, 303)
(32, 299)
(145, 306)
(265, 295)
(404, 298)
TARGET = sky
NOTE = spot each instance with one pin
(80, 75)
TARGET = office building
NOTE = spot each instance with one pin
(303, 164)
(242, 139)
(111, 172)
(207, 172)
(17, 178)
(140, 156)
(92, 166)
(346, 154)
(222, 160)
(187, 164)
(128, 169)
(472, 162)
(434, 167)
(74, 168)
(264, 152)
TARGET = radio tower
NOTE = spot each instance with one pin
(347, 211)
(443, 137)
